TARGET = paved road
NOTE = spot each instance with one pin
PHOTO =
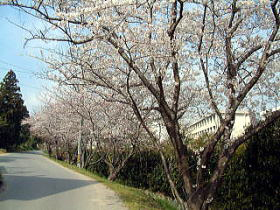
(33, 182)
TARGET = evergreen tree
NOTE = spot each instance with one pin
(12, 111)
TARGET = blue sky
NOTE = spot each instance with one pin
(14, 56)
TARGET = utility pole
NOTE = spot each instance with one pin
(80, 143)
(80, 90)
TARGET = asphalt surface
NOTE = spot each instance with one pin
(33, 182)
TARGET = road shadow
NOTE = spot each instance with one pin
(15, 170)
(10, 159)
(35, 187)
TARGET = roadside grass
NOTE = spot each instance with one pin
(133, 198)
(2, 151)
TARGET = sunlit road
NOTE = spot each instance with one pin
(33, 182)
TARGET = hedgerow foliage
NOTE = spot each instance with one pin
(144, 170)
(252, 179)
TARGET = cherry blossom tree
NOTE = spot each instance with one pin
(57, 127)
(157, 55)
(119, 136)
(110, 128)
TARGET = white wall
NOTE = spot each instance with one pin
(242, 121)
(210, 124)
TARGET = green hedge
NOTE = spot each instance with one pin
(252, 180)
(144, 170)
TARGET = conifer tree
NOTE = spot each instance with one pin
(12, 111)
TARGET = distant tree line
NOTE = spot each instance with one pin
(12, 112)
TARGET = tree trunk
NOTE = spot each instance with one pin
(193, 206)
(49, 149)
(80, 143)
(113, 176)
(172, 185)
(56, 151)
(181, 153)
(196, 197)
(88, 158)
(113, 172)
(68, 154)
(199, 200)
(83, 159)
(197, 205)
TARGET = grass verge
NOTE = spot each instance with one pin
(2, 151)
(133, 198)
